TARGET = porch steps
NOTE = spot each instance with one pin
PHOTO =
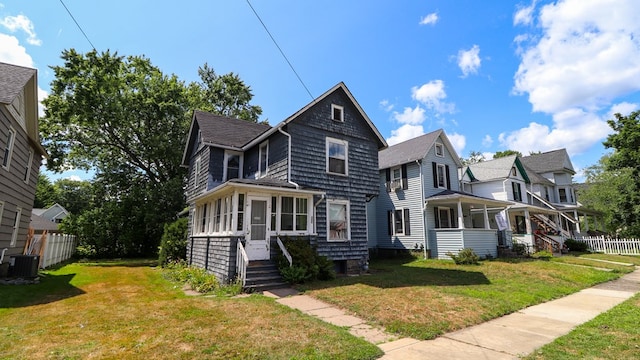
(263, 275)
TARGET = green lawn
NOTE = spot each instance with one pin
(426, 298)
(126, 309)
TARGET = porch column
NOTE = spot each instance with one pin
(486, 218)
(506, 213)
(460, 216)
(575, 213)
(527, 221)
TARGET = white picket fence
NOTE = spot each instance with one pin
(57, 248)
(612, 245)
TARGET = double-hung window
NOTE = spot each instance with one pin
(232, 165)
(444, 217)
(293, 214)
(338, 220)
(263, 157)
(8, 149)
(442, 176)
(337, 156)
(517, 191)
(563, 195)
(399, 222)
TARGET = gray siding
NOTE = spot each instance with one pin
(278, 156)
(215, 254)
(14, 192)
(427, 170)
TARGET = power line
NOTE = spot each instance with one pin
(79, 27)
(278, 46)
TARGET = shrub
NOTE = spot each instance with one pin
(199, 279)
(575, 245)
(520, 249)
(294, 274)
(466, 256)
(307, 264)
(173, 245)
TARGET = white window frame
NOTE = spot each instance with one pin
(8, 150)
(347, 206)
(335, 107)
(444, 175)
(344, 143)
(16, 227)
(517, 185)
(393, 220)
(514, 172)
(196, 175)
(439, 149)
(263, 150)
(27, 170)
(227, 155)
(449, 217)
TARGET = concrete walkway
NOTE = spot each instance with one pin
(508, 337)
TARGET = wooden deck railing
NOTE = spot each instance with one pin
(543, 242)
(242, 261)
(284, 251)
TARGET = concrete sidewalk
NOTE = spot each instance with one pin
(507, 337)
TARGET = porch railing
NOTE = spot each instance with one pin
(242, 261)
(544, 242)
(284, 251)
(612, 245)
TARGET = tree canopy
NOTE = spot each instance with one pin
(506, 153)
(125, 119)
(474, 157)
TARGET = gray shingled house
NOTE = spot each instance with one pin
(310, 176)
(421, 205)
(20, 154)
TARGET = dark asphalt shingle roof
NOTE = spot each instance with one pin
(227, 131)
(13, 78)
(493, 169)
(550, 161)
(407, 151)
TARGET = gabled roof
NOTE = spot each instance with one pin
(39, 223)
(13, 79)
(550, 161)
(496, 169)
(414, 149)
(537, 178)
(340, 86)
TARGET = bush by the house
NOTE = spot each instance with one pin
(466, 256)
(198, 279)
(575, 245)
(307, 264)
(173, 245)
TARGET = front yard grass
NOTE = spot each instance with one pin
(425, 298)
(126, 309)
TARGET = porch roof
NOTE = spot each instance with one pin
(451, 195)
(533, 208)
(265, 184)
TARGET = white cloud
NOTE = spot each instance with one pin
(430, 19)
(487, 141)
(573, 129)
(410, 116)
(21, 22)
(74, 178)
(587, 55)
(458, 141)
(386, 106)
(469, 60)
(12, 52)
(623, 108)
(524, 14)
(431, 94)
(405, 132)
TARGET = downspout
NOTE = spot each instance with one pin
(2, 256)
(424, 212)
(289, 159)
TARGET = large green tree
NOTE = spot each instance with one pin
(125, 119)
(506, 153)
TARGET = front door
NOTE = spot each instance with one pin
(257, 245)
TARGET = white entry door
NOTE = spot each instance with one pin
(257, 244)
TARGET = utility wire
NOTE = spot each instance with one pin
(79, 27)
(278, 46)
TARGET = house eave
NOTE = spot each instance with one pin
(231, 185)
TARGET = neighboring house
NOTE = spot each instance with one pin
(421, 206)
(55, 213)
(20, 154)
(309, 177)
(40, 224)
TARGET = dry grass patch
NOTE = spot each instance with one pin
(425, 298)
(131, 312)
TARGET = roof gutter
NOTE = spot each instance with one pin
(288, 158)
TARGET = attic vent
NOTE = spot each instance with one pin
(337, 112)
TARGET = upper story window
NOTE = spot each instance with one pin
(442, 176)
(439, 150)
(196, 171)
(563, 195)
(337, 112)
(232, 165)
(396, 178)
(263, 157)
(337, 156)
(517, 191)
(338, 220)
(514, 172)
(8, 149)
(546, 193)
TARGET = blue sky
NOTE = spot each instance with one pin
(495, 75)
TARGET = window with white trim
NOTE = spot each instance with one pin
(196, 171)
(444, 218)
(337, 156)
(439, 150)
(217, 214)
(27, 170)
(240, 226)
(563, 195)
(514, 172)
(8, 149)
(337, 112)
(517, 191)
(399, 222)
(338, 220)
(442, 176)
(263, 157)
(232, 165)
(16, 227)
(203, 218)
(226, 214)
(396, 178)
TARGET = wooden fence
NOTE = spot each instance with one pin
(612, 245)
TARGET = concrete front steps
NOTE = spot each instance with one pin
(263, 275)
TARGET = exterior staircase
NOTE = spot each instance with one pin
(263, 275)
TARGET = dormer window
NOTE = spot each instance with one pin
(337, 112)
(439, 150)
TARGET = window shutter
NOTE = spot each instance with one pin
(390, 221)
(435, 212)
(434, 168)
(388, 177)
(407, 225)
(405, 183)
(446, 167)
